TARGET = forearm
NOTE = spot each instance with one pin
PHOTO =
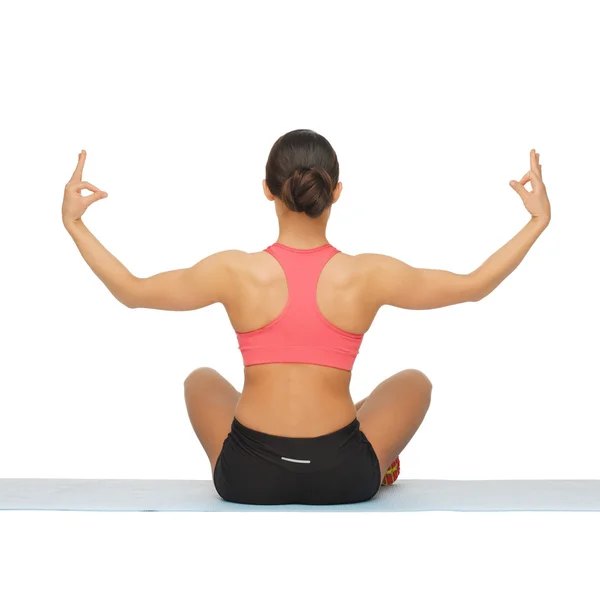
(504, 261)
(109, 270)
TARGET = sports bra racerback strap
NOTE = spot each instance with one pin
(302, 270)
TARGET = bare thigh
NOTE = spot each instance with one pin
(210, 400)
(391, 414)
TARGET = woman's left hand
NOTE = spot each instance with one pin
(74, 204)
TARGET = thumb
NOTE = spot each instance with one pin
(99, 195)
(519, 188)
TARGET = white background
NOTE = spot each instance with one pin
(432, 108)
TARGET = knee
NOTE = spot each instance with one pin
(421, 380)
(198, 378)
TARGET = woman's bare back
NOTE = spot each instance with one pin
(293, 399)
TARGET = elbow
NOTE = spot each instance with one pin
(129, 302)
(130, 296)
(476, 295)
(475, 288)
(481, 294)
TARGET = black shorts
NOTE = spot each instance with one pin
(259, 468)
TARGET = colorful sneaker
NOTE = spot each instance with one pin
(392, 473)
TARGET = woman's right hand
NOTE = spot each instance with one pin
(536, 201)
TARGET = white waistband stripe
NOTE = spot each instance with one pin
(295, 460)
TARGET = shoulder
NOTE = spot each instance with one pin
(373, 266)
(366, 266)
(225, 260)
(219, 268)
(383, 275)
(370, 271)
(233, 267)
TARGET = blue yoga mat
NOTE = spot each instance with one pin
(150, 495)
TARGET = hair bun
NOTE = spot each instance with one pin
(308, 190)
(303, 171)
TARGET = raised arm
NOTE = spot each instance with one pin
(202, 284)
(206, 282)
(395, 283)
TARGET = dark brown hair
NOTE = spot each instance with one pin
(302, 171)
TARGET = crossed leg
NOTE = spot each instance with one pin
(393, 412)
(210, 400)
(389, 416)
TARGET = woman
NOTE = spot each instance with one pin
(300, 309)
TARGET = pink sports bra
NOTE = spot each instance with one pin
(301, 334)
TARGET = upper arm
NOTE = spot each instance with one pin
(396, 283)
(202, 284)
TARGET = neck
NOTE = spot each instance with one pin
(302, 232)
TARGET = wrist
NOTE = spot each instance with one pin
(542, 222)
(72, 224)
